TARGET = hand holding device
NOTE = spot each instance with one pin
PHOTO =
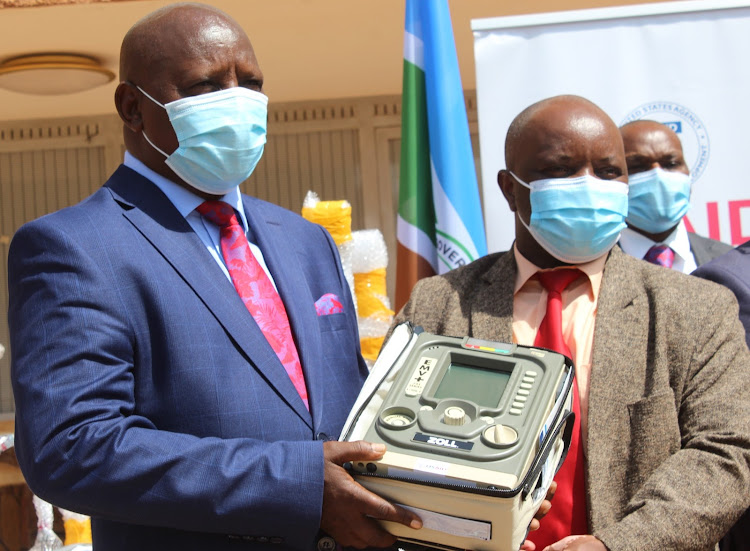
(348, 508)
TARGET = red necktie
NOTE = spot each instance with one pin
(661, 255)
(256, 290)
(568, 514)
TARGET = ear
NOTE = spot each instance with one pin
(508, 186)
(128, 104)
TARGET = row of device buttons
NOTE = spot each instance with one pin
(527, 383)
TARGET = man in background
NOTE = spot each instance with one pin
(184, 356)
(733, 271)
(661, 457)
(658, 199)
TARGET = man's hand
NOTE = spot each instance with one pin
(577, 543)
(347, 506)
(543, 510)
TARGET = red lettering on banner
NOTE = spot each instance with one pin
(712, 218)
(712, 212)
(735, 221)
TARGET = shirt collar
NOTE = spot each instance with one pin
(637, 244)
(527, 269)
(183, 199)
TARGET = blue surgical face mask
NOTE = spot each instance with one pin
(221, 137)
(657, 199)
(576, 220)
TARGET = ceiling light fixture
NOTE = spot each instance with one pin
(50, 74)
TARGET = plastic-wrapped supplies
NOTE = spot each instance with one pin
(46, 539)
(364, 258)
(77, 527)
(336, 217)
(369, 263)
(6, 442)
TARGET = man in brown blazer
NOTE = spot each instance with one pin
(662, 366)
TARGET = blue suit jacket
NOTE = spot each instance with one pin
(733, 270)
(146, 395)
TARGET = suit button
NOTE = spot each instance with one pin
(322, 436)
(326, 543)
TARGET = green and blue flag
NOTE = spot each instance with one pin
(440, 225)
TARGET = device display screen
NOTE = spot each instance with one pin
(482, 386)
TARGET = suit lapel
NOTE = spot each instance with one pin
(161, 224)
(282, 258)
(700, 253)
(621, 319)
(492, 317)
(704, 250)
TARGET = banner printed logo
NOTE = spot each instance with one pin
(686, 124)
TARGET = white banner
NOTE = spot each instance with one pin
(680, 63)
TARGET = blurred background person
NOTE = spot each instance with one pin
(658, 199)
(733, 271)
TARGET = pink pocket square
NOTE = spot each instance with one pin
(328, 304)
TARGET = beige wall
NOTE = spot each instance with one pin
(308, 49)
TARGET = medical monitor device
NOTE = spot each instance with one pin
(474, 431)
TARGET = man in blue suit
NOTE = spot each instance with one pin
(733, 271)
(147, 394)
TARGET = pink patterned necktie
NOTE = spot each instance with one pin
(256, 290)
(661, 255)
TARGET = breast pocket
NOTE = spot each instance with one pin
(339, 340)
(654, 436)
(333, 322)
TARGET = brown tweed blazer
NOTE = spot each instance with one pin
(668, 465)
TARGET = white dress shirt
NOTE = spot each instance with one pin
(637, 245)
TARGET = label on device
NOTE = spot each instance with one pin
(442, 442)
(455, 526)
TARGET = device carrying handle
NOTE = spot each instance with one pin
(568, 420)
(380, 372)
(567, 437)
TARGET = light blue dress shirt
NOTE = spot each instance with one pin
(186, 202)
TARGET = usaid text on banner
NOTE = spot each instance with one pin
(696, 146)
(739, 231)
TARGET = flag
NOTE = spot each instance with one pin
(440, 224)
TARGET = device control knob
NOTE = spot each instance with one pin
(501, 435)
(397, 420)
(454, 415)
